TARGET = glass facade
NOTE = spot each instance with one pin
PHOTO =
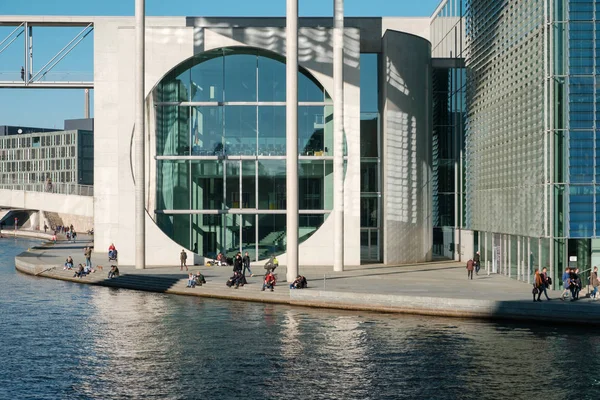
(449, 88)
(370, 161)
(531, 140)
(220, 153)
(62, 156)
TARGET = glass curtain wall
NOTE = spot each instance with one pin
(221, 145)
(449, 110)
(370, 162)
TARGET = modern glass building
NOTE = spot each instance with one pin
(527, 165)
(221, 147)
(216, 138)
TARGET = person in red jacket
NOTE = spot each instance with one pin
(269, 281)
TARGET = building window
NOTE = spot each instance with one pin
(224, 150)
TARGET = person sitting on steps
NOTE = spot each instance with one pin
(69, 263)
(269, 282)
(80, 272)
(299, 283)
(235, 280)
(191, 280)
(114, 272)
(199, 278)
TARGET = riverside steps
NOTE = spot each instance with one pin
(437, 288)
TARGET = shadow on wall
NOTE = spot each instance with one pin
(407, 149)
(314, 44)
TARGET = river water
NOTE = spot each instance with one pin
(60, 340)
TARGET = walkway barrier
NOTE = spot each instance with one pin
(58, 188)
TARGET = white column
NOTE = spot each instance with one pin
(140, 207)
(338, 135)
(291, 118)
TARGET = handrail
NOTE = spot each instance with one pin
(56, 188)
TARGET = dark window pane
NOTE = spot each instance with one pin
(271, 79)
(207, 79)
(240, 130)
(271, 130)
(207, 185)
(271, 185)
(369, 83)
(172, 130)
(172, 185)
(207, 130)
(240, 77)
(368, 135)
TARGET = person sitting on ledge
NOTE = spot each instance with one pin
(191, 280)
(199, 278)
(221, 260)
(114, 272)
(299, 283)
(234, 280)
(69, 263)
(269, 281)
(112, 252)
(80, 273)
(88, 269)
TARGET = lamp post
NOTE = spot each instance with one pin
(140, 207)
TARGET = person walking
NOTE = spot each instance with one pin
(546, 282)
(566, 280)
(537, 285)
(477, 261)
(595, 283)
(246, 263)
(575, 284)
(237, 263)
(470, 267)
(183, 260)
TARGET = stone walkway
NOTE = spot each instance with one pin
(437, 288)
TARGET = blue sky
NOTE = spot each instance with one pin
(48, 108)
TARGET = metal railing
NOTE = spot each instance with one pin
(55, 187)
(54, 76)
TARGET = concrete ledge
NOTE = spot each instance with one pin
(26, 234)
(556, 311)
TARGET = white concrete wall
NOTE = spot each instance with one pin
(166, 47)
(407, 188)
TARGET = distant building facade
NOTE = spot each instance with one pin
(61, 156)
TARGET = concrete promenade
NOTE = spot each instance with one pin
(439, 288)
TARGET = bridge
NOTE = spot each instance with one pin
(37, 204)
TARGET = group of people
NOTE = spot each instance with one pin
(572, 284)
(240, 266)
(195, 280)
(540, 284)
(474, 264)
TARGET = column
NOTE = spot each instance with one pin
(338, 135)
(291, 118)
(140, 207)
